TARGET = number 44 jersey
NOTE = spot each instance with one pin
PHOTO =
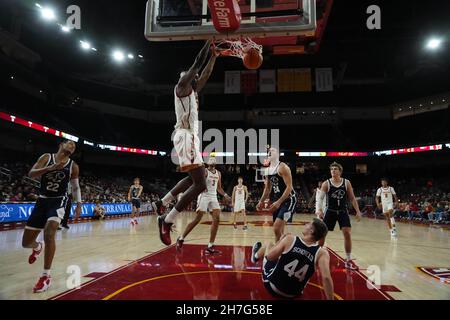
(54, 184)
(294, 268)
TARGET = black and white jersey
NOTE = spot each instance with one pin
(55, 184)
(294, 269)
(337, 196)
(278, 185)
(135, 192)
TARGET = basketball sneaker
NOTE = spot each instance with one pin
(211, 250)
(164, 230)
(235, 226)
(245, 228)
(43, 284)
(351, 265)
(255, 249)
(393, 234)
(35, 254)
(179, 243)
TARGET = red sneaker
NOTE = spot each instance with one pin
(35, 254)
(43, 284)
(164, 230)
(160, 207)
(179, 243)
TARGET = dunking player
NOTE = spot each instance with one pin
(288, 265)
(337, 190)
(186, 141)
(134, 195)
(55, 171)
(387, 200)
(239, 199)
(278, 186)
(207, 200)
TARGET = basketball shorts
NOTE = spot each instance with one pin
(207, 203)
(332, 216)
(46, 209)
(239, 206)
(286, 211)
(387, 206)
(136, 203)
(187, 147)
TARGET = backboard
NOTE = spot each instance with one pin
(177, 20)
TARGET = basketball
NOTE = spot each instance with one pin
(252, 59)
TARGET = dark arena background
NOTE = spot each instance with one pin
(365, 84)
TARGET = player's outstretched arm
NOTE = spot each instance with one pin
(266, 192)
(352, 198)
(76, 190)
(206, 73)
(219, 187)
(184, 84)
(323, 262)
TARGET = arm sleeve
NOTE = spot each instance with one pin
(319, 200)
(76, 191)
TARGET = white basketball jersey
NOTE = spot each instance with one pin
(211, 183)
(186, 110)
(239, 195)
(386, 194)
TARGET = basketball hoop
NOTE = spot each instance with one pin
(244, 48)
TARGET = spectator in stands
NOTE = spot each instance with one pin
(17, 198)
(99, 211)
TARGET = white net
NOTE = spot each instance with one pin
(237, 47)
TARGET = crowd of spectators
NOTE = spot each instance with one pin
(420, 199)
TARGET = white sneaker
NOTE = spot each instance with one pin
(393, 233)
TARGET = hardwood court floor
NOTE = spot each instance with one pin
(138, 259)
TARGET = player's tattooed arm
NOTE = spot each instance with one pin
(184, 84)
(40, 168)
